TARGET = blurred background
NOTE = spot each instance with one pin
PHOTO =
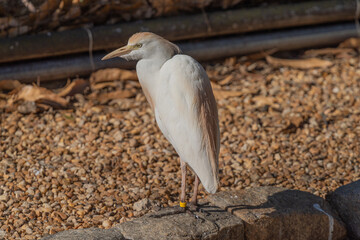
(79, 32)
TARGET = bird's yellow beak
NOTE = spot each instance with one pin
(119, 52)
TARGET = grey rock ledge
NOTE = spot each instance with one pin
(257, 213)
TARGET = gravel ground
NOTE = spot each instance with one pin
(87, 166)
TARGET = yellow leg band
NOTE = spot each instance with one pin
(182, 204)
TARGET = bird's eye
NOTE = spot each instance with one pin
(138, 45)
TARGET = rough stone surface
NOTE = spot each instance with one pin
(208, 223)
(87, 234)
(346, 200)
(279, 213)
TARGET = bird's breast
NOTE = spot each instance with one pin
(149, 80)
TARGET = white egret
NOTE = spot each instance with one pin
(179, 92)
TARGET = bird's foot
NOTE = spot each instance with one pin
(193, 206)
(188, 207)
(168, 212)
(181, 209)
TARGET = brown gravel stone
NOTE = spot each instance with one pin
(106, 224)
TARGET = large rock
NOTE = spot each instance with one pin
(346, 200)
(209, 223)
(87, 234)
(279, 213)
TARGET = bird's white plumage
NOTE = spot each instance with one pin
(179, 92)
(176, 87)
(178, 115)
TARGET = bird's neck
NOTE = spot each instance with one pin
(148, 69)
(151, 65)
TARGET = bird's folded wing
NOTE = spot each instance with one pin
(187, 115)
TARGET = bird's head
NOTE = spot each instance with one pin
(145, 45)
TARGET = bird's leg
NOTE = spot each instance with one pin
(196, 186)
(183, 184)
(182, 204)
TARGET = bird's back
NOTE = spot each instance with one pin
(186, 113)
